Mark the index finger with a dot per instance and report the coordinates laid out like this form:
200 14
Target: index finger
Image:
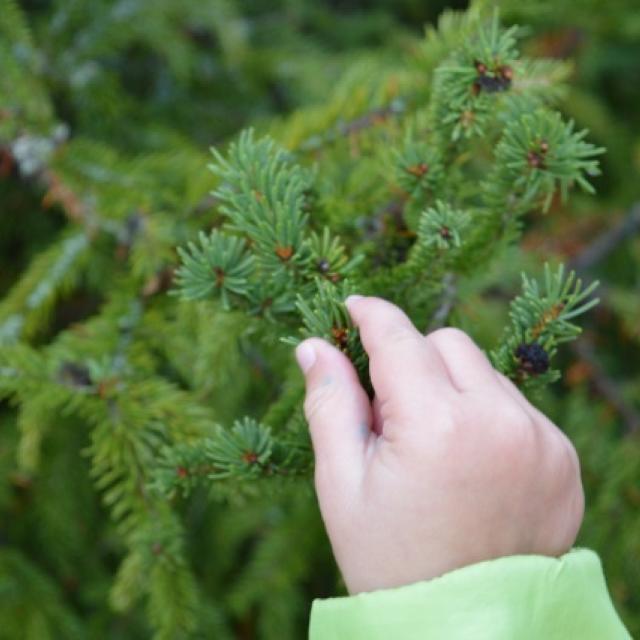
403 365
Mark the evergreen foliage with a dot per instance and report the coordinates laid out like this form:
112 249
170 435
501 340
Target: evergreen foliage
412 175
261 195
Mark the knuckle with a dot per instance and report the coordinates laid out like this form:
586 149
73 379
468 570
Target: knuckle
447 430
399 335
448 335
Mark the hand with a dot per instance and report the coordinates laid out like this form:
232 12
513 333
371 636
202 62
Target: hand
449 466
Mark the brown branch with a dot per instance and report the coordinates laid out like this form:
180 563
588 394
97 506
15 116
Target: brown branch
374 117
345 129
604 244
606 386
583 348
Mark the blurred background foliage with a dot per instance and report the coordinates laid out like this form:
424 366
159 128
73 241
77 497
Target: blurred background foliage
140 85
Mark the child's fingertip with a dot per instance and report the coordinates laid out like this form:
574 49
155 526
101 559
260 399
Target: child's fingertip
305 355
352 299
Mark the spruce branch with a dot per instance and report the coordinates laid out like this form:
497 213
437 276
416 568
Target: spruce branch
328 256
28 305
326 316
538 155
469 84
220 265
439 247
418 167
441 228
265 198
245 449
157 563
263 194
155 386
246 452
542 317
467 166
37 599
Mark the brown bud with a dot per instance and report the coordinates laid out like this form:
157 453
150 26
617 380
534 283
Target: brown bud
250 457
418 170
481 67
284 253
340 336
535 160
506 72
220 275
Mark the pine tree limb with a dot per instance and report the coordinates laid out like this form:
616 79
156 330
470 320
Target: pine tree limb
606 386
361 123
604 244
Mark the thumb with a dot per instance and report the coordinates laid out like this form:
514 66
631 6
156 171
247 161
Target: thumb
337 410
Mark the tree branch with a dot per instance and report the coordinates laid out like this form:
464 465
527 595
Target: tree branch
345 129
604 244
606 386
583 348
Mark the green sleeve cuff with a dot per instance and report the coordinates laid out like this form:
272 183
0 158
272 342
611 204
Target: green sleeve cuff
518 597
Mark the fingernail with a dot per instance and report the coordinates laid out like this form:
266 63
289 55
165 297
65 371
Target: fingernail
306 356
352 298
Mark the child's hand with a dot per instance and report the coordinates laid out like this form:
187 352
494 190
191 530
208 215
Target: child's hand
450 466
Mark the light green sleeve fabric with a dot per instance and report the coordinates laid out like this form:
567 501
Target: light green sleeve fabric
514 598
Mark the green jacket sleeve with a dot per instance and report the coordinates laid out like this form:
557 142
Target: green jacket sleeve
514 598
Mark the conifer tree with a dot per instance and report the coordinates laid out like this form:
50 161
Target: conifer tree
484 150
157 461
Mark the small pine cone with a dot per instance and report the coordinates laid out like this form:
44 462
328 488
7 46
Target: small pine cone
535 160
533 358
491 84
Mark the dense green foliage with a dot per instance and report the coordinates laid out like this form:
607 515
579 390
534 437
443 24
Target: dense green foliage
155 461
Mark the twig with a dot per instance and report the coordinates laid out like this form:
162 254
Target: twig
345 129
603 245
606 386
588 258
372 118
